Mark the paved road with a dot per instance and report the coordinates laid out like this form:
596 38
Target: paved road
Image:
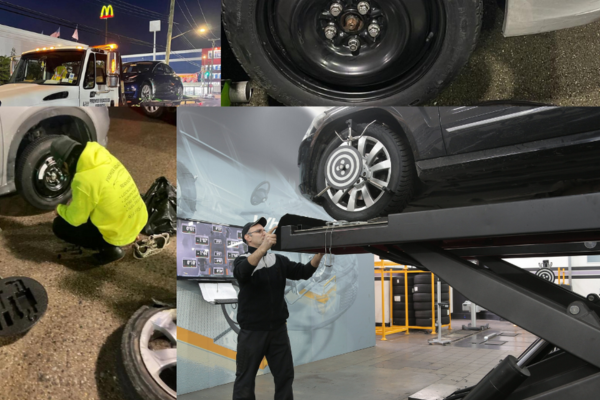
559 67
71 353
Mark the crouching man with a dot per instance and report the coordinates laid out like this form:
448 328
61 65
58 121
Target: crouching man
106 210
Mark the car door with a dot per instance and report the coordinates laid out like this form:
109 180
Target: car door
173 80
161 81
471 129
95 91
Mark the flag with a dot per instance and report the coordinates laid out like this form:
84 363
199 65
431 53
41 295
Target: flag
56 34
76 34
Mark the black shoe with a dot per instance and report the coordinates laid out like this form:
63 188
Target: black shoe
109 255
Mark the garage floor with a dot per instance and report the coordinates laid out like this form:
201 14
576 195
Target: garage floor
71 353
393 369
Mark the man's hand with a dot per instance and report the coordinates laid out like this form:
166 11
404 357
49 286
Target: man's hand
316 260
269 241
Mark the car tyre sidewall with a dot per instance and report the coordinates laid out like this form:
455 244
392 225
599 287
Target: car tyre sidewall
25 170
402 177
135 381
462 32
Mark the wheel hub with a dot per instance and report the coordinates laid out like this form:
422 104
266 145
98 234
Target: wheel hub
344 167
352 25
54 178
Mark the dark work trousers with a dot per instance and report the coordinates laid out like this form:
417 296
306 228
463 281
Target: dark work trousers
85 235
252 347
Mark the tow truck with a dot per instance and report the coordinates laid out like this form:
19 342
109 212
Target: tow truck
467 247
78 76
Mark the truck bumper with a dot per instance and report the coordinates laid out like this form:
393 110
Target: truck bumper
527 17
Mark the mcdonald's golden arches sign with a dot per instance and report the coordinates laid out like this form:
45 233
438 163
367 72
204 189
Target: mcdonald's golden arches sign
107 12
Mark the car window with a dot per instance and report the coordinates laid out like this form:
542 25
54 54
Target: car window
159 70
90 70
168 69
136 68
49 68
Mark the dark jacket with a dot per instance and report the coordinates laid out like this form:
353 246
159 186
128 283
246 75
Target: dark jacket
261 305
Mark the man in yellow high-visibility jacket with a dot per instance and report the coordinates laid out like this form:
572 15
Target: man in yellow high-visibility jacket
106 210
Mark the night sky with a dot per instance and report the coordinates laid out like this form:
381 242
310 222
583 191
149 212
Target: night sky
127 21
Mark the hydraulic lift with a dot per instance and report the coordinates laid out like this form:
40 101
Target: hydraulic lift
465 247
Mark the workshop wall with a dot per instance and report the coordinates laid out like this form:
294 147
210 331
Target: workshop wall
231 171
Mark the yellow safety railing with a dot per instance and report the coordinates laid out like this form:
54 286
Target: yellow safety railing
383 330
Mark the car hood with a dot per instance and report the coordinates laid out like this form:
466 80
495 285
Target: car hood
31 94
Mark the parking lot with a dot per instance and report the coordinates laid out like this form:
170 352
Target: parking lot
72 352
558 68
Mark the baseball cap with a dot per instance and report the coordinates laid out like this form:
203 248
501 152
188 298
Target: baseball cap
62 147
261 221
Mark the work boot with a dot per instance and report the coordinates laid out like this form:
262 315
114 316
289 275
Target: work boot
108 255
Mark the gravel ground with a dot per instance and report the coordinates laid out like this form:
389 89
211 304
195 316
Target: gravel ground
559 67
71 353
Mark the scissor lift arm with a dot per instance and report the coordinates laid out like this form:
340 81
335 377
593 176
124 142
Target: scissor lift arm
465 247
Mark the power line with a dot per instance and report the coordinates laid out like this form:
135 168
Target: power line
205 21
69 24
186 6
186 18
126 4
133 12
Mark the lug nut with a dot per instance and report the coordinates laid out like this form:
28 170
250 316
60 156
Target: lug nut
354 44
335 9
374 30
330 31
363 8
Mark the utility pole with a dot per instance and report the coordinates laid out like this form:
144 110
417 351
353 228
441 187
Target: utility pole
170 31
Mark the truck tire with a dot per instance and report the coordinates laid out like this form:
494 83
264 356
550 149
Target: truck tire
420 48
41 182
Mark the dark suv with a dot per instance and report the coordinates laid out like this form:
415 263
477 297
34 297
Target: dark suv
361 163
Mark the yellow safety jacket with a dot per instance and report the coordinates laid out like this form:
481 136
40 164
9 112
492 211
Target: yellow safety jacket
104 192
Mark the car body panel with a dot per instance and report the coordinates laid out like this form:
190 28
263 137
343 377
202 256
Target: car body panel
502 149
16 121
526 17
31 94
164 85
468 129
421 125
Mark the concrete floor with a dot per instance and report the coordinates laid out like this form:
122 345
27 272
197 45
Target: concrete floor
559 68
392 370
71 353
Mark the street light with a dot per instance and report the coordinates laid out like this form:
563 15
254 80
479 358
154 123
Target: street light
200 30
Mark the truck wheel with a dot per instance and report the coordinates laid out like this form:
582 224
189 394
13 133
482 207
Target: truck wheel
397 52
147 368
40 181
373 177
153 111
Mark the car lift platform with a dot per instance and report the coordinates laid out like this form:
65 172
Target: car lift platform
465 247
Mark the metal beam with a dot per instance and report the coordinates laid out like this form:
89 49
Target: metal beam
537 306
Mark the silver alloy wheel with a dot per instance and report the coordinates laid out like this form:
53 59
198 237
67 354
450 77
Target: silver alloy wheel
146 93
376 168
158 360
151 109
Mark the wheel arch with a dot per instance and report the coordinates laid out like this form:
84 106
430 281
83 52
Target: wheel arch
79 124
387 116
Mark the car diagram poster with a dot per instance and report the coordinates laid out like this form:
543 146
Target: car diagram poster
206 250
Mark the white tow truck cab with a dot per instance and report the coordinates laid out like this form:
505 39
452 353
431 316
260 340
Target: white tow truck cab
65 76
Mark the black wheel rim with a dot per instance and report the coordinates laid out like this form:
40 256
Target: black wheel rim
409 41
50 180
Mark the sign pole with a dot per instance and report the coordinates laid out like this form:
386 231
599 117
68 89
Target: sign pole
106 32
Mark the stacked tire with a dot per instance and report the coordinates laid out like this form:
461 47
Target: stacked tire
400 299
422 293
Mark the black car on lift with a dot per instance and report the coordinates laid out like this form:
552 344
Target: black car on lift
362 163
149 80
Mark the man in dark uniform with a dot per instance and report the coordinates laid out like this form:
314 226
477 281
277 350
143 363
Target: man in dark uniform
262 312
